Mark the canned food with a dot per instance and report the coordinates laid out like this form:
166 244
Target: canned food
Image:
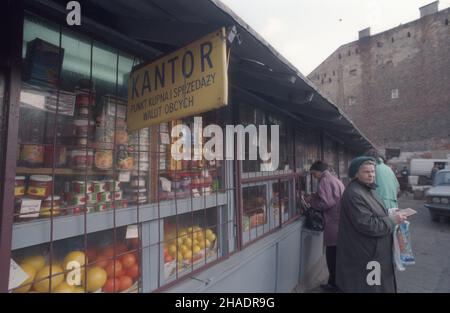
19 187
32 155
112 185
103 159
84 127
50 206
137 182
80 187
82 159
104 197
78 199
100 186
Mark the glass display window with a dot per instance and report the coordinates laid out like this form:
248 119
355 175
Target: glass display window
191 240
94 263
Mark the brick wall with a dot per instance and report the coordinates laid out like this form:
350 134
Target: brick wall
363 78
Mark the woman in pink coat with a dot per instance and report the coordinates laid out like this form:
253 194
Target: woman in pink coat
328 199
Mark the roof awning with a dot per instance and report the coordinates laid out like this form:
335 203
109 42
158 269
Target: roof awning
255 66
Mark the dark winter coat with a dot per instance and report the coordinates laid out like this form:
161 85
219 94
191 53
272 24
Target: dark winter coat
365 235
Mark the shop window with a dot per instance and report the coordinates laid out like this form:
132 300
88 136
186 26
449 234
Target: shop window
282 201
81 172
394 94
191 240
91 263
352 72
255 219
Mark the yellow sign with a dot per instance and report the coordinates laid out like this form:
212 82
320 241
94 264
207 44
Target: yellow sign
189 81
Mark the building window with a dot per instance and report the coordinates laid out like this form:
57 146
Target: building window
334 73
446 21
356 51
379 44
351 101
353 72
394 94
329 80
322 81
339 56
409 35
349 53
392 39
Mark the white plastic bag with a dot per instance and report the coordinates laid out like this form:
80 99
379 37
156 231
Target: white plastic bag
403 255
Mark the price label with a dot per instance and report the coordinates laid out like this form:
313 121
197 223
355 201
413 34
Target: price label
17 275
165 139
166 184
30 208
124 177
132 232
195 193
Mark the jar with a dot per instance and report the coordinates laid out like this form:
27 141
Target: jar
137 182
82 159
40 186
80 187
139 195
19 187
186 183
32 155
60 153
84 127
140 156
103 159
85 97
141 166
121 137
84 112
46 206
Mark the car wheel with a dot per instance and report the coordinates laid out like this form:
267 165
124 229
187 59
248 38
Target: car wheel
434 217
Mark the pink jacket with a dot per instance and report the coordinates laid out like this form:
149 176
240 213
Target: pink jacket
328 199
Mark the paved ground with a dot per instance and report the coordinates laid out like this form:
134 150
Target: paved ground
431 247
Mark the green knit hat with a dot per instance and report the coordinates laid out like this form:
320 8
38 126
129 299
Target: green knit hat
356 163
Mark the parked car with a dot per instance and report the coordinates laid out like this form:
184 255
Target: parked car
438 196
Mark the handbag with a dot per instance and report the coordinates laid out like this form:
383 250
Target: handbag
314 218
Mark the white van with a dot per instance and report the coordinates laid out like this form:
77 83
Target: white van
422 167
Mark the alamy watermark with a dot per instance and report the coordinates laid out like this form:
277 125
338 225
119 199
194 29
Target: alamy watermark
188 145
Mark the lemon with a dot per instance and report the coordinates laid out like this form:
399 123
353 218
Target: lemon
74 256
42 281
64 288
37 261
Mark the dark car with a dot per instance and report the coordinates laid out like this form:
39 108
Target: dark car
438 196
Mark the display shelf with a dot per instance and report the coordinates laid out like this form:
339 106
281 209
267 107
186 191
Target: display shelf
38 231
62 171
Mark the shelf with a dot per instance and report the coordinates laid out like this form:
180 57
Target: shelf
62 171
38 231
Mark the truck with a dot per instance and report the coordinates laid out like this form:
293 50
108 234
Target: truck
422 167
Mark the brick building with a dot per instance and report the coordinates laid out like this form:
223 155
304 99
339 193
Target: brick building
395 85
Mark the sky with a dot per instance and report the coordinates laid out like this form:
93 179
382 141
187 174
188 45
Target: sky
306 32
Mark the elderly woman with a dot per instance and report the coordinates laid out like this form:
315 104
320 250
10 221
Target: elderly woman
365 234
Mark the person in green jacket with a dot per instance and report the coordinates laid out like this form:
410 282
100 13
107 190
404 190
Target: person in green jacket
386 181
